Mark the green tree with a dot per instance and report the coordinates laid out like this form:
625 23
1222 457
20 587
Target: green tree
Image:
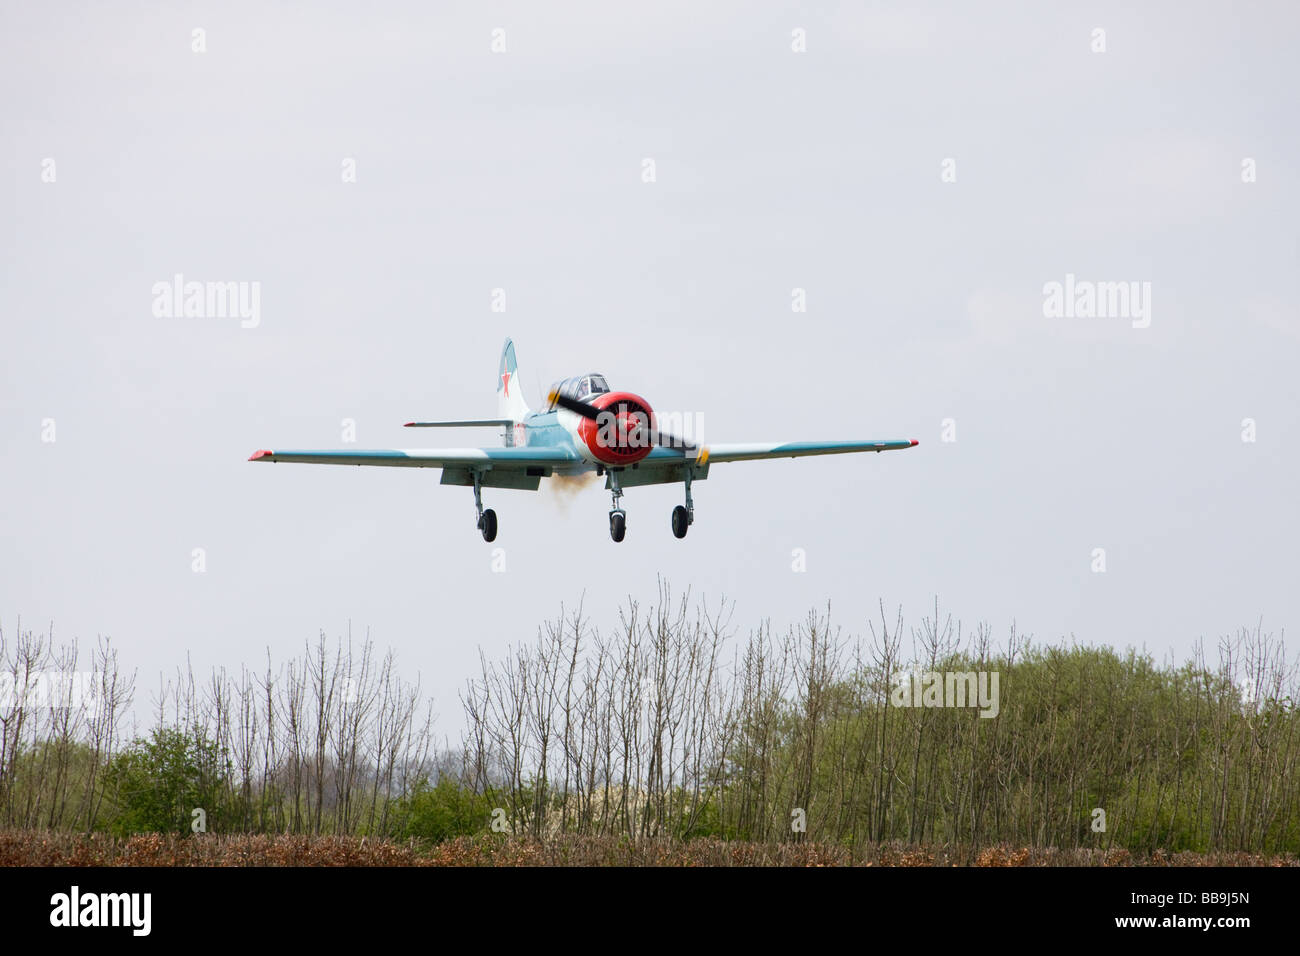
159 781
443 811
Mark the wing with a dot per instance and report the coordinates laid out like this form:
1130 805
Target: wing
429 457
498 467
664 465
754 451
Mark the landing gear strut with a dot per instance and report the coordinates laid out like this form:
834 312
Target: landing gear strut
684 516
617 516
487 520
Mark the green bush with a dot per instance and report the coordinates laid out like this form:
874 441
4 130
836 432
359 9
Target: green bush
158 782
444 811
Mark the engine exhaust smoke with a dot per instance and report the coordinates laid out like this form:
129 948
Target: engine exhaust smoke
565 488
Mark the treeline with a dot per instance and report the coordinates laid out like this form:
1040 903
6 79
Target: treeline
671 725
334 741
663 727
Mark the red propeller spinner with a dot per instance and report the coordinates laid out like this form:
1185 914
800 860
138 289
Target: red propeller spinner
622 433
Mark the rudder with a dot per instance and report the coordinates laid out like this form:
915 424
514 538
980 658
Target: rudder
510 392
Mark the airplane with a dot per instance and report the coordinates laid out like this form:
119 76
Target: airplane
584 427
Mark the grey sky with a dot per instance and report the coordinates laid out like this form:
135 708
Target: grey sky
775 170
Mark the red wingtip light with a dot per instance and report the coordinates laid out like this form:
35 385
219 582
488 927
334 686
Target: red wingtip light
915 442
260 454
409 425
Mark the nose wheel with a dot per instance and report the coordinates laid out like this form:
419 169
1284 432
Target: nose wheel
617 517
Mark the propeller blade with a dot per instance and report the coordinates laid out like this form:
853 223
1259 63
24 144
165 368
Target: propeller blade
673 442
575 406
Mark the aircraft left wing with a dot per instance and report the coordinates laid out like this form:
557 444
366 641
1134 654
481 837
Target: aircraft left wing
755 451
665 465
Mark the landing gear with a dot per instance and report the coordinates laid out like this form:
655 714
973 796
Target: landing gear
684 515
617 516
487 520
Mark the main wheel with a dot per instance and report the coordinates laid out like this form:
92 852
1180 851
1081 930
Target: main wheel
617 525
489 525
681 521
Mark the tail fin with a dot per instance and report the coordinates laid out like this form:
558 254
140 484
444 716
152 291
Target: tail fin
510 390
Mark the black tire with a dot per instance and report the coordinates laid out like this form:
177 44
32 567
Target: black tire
489 525
617 525
681 521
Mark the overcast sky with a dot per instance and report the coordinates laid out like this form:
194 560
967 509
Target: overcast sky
922 172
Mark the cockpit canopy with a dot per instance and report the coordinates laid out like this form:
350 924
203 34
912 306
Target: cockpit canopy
581 387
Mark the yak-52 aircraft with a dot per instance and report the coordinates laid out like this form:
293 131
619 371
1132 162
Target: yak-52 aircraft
585 427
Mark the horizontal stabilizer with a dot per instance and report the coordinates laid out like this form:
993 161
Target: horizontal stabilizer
475 423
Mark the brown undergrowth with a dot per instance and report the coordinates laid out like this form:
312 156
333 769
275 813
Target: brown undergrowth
53 848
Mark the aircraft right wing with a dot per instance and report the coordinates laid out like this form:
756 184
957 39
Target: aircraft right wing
486 458
521 468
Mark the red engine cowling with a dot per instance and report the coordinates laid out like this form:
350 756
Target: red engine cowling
621 434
